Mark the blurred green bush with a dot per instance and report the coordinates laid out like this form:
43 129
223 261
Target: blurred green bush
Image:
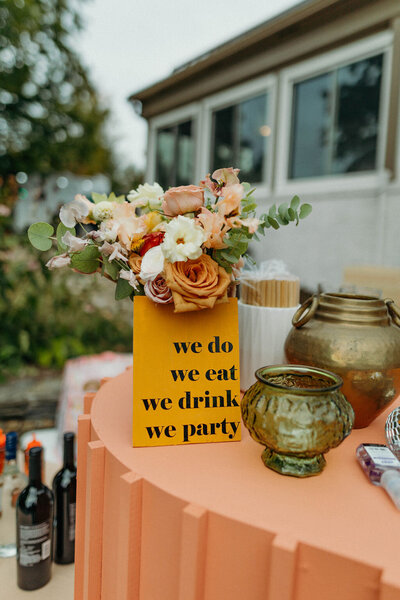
47 316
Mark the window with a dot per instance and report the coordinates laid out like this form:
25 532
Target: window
335 121
238 139
175 155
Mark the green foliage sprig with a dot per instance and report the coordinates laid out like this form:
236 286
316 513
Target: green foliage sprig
285 214
238 239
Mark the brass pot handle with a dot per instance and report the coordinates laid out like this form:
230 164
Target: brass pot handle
299 318
393 311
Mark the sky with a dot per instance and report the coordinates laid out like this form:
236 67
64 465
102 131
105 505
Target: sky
129 44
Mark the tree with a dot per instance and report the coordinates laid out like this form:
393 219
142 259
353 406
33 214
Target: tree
50 116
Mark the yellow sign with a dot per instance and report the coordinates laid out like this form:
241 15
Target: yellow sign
186 385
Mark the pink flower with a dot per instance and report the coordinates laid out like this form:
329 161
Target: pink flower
130 278
61 260
183 199
76 211
220 179
230 203
74 244
158 291
215 228
227 176
251 223
113 251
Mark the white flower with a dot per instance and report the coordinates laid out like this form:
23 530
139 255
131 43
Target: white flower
108 231
76 211
62 260
103 211
130 277
183 239
73 243
152 264
147 194
113 251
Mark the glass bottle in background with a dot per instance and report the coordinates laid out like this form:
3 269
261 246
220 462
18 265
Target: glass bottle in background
2 460
34 443
64 488
13 482
34 528
2 450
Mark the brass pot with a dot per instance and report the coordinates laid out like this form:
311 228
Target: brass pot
298 413
357 337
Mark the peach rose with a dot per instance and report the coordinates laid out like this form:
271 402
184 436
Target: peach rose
135 263
183 199
196 284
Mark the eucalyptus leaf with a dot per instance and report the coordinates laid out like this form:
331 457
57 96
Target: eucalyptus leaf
264 222
62 230
113 198
231 258
87 260
291 214
249 207
282 220
273 222
305 210
241 247
295 203
272 211
111 268
283 212
123 289
249 259
39 236
99 197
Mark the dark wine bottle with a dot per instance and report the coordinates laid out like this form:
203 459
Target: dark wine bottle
34 528
64 488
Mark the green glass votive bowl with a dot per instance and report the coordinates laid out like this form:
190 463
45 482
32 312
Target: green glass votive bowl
298 413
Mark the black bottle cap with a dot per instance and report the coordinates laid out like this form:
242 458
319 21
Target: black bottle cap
35 463
69 438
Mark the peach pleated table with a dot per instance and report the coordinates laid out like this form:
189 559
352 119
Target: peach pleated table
210 522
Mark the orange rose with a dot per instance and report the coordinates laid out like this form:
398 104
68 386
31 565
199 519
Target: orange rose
135 263
196 284
183 199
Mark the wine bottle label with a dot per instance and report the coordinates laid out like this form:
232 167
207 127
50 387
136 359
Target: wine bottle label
34 543
72 515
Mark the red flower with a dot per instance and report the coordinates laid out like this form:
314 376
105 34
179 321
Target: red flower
151 240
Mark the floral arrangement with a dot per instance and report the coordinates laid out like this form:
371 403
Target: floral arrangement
184 246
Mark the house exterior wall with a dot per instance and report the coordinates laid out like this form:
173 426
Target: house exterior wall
355 216
350 228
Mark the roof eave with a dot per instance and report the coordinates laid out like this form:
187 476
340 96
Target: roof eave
271 27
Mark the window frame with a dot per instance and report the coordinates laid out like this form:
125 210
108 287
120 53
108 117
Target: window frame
380 43
170 119
235 95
